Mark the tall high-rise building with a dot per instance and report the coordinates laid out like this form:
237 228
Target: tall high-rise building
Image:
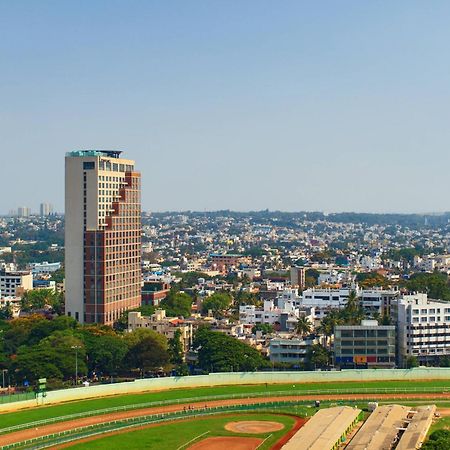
23 211
46 209
102 236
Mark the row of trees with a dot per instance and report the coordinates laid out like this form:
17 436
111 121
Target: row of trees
36 347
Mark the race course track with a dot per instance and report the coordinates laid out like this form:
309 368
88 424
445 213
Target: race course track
31 433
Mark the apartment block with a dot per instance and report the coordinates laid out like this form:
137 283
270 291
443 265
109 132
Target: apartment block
14 284
423 328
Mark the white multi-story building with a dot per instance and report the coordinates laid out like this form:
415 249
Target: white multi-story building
423 328
282 312
291 351
373 301
14 284
45 267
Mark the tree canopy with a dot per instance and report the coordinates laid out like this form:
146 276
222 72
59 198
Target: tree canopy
218 352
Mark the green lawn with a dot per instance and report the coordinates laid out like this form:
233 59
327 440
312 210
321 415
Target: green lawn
45 412
174 435
442 422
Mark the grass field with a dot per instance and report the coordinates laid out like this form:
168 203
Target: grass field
45 412
175 435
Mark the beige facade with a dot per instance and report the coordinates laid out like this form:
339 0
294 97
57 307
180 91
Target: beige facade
163 325
102 236
14 284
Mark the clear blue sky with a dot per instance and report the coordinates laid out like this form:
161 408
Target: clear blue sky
290 105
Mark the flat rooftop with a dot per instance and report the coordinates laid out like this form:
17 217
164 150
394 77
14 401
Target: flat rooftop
381 429
91 152
324 429
417 430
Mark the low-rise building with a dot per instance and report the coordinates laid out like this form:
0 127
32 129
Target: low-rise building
368 345
154 291
44 284
166 326
45 268
14 284
292 351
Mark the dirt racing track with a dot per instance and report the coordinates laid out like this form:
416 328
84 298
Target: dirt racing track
31 433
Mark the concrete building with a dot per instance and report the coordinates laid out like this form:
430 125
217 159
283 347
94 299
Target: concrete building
291 351
224 262
423 328
45 268
373 301
23 211
44 284
154 291
14 284
282 312
45 209
102 236
164 325
297 277
368 345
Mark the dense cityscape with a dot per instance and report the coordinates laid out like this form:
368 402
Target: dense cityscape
224 225
285 291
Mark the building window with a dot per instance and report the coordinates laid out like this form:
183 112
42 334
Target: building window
88 165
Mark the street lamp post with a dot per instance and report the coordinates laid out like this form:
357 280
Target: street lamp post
76 347
3 376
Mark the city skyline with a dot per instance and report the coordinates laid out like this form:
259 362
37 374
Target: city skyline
230 106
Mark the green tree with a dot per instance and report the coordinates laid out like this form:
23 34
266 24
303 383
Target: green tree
329 322
177 304
352 313
412 361
303 326
371 279
438 440
218 352
39 299
53 357
217 303
176 348
318 356
435 284
265 328
105 349
5 312
147 350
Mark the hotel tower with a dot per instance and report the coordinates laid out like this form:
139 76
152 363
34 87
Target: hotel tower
102 236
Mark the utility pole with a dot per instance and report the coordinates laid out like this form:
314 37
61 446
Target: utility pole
76 347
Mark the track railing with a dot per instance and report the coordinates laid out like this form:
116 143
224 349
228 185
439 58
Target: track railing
131 422
260 394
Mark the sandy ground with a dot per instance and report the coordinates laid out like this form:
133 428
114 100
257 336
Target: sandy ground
69 425
253 426
227 443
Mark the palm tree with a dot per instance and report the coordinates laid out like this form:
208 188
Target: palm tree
353 312
329 322
303 326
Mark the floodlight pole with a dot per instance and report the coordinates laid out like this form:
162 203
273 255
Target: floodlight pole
76 347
